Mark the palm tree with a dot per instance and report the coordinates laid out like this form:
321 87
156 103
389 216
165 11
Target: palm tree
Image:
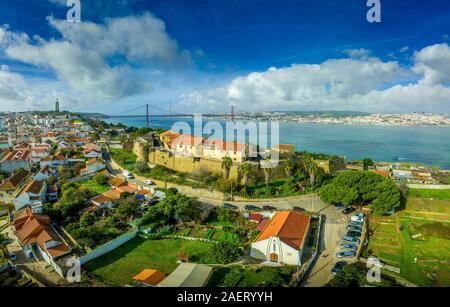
227 164
311 167
289 166
245 169
267 172
367 163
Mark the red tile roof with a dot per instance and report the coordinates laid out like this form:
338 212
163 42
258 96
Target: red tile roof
17 155
35 228
290 227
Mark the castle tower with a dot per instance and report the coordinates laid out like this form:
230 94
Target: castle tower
57 105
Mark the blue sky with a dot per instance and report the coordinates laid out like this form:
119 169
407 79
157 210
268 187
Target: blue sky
255 54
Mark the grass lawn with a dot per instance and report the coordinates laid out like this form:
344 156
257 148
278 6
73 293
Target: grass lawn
94 186
120 265
125 158
424 259
436 194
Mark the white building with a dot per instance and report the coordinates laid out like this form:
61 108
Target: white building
33 195
93 166
16 160
283 239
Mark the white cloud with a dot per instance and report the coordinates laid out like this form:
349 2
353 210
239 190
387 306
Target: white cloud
95 59
404 49
433 62
358 53
357 83
20 95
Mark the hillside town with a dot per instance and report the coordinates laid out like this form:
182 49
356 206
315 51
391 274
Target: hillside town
340 118
75 188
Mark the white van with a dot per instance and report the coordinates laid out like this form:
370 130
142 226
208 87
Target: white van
127 174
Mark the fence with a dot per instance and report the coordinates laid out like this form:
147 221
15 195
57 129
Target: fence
108 247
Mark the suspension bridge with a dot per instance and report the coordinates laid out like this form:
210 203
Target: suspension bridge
149 110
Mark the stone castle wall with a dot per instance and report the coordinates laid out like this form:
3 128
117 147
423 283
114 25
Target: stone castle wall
186 164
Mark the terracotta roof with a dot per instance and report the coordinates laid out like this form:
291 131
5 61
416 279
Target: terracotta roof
93 160
34 187
255 217
101 199
18 177
17 155
35 228
187 140
291 227
225 146
262 225
113 194
285 147
150 277
382 173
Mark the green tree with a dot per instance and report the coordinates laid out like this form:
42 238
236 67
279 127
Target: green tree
367 163
87 219
227 164
311 167
101 179
289 166
363 188
267 173
141 167
225 252
245 169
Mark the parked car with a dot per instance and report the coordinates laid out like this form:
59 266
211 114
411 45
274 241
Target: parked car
252 208
354 234
298 209
127 174
338 267
355 224
351 240
345 254
269 208
12 257
348 210
149 182
354 228
229 206
358 218
339 206
351 247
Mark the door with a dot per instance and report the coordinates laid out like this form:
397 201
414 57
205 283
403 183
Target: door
274 257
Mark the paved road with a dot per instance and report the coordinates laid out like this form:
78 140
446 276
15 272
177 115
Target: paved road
332 232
